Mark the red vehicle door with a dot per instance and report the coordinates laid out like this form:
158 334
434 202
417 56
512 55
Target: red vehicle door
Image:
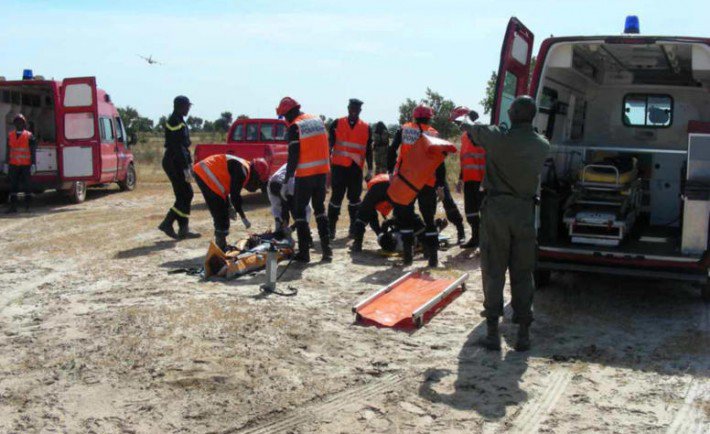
79 154
514 69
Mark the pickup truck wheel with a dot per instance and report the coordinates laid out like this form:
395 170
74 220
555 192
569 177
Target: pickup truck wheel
129 184
542 278
77 192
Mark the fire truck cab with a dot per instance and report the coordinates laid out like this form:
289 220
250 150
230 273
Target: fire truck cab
626 188
81 139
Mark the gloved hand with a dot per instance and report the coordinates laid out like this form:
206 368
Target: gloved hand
368 176
284 191
247 223
188 174
440 193
232 213
6 168
459 186
33 169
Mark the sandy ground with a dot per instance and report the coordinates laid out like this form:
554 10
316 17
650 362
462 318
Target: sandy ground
97 337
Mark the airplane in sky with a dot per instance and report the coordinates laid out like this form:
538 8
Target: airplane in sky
150 60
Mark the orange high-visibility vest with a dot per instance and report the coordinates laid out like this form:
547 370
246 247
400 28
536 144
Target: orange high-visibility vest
423 159
20 154
473 160
314 158
350 143
410 134
214 172
384 207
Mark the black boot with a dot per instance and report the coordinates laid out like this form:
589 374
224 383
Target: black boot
492 339
460 233
167 225
432 246
474 242
358 233
220 239
302 232
333 215
28 201
408 246
12 206
352 211
324 235
184 232
523 342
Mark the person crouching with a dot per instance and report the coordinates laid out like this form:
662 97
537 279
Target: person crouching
221 178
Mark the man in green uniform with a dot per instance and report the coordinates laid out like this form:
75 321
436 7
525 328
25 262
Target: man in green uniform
381 140
514 162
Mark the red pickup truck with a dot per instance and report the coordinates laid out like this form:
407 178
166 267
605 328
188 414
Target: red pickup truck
250 139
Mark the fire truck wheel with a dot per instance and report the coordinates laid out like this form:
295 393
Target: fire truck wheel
542 278
77 192
129 184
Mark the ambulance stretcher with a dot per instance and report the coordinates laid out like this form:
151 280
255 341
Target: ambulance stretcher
410 301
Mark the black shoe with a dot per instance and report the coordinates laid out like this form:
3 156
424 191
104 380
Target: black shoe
327 253
523 342
492 339
331 230
302 256
167 228
472 243
460 236
357 245
184 233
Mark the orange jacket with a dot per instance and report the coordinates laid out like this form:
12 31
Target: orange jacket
410 134
383 207
350 143
473 160
19 152
214 172
313 158
418 168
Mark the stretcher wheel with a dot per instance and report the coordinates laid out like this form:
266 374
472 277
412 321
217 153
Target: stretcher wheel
542 278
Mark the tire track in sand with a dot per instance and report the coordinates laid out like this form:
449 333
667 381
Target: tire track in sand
691 417
534 412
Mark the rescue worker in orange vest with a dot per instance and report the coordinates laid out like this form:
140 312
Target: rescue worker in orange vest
177 163
309 162
404 139
473 168
20 165
221 178
375 201
350 146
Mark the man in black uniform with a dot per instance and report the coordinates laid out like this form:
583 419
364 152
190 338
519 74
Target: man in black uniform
347 138
177 164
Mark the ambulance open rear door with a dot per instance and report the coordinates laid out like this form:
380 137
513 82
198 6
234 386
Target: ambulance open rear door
79 156
513 71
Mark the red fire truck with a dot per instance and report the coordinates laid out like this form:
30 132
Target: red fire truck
626 190
80 136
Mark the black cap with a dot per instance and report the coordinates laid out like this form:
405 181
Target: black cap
355 102
181 100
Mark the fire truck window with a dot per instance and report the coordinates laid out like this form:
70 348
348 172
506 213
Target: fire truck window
509 86
79 126
77 95
266 132
106 128
650 111
252 132
280 133
238 134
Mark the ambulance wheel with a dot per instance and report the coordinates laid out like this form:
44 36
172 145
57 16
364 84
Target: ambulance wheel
77 192
129 184
542 278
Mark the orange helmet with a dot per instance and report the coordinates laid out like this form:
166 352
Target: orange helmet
422 111
286 105
458 112
261 167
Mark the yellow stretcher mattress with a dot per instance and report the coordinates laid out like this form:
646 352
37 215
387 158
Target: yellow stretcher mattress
601 175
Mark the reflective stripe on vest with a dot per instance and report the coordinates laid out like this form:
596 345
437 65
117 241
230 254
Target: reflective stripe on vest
222 191
19 152
473 160
214 171
314 152
350 142
176 127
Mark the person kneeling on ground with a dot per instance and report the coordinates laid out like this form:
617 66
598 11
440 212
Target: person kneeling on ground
221 178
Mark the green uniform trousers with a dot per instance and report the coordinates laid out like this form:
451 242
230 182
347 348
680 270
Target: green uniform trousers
508 242
380 159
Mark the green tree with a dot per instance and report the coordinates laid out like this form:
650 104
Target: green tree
195 123
208 127
160 126
489 99
133 121
224 122
242 117
442 109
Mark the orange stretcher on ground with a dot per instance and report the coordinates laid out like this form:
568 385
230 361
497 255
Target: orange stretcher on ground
410 301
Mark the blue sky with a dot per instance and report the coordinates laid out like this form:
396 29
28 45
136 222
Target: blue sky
243 56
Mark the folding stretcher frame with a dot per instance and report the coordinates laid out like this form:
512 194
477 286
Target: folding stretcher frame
422 312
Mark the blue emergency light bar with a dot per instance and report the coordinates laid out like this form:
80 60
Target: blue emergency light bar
632 25
27 74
